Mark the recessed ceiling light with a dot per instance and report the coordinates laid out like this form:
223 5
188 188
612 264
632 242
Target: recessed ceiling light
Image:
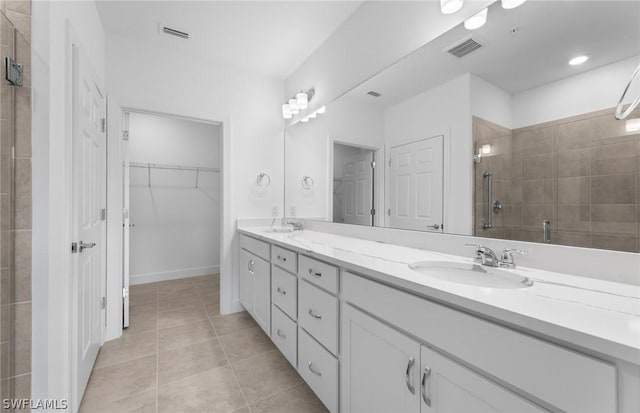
578 60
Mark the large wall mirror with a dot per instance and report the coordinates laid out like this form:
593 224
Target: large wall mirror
488 132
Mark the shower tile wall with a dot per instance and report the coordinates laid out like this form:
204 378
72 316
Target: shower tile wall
15 205
581 173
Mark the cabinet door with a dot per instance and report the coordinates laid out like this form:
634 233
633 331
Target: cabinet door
379 367
446 386
262 294
247 263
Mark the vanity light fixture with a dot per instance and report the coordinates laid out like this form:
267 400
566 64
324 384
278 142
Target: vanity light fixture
305 119
477 20
450 6
511 4
578 60
293 106
286 112
303 100
632 125
321 110
297 103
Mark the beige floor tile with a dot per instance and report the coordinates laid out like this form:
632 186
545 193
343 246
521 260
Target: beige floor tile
143 293
141 322
233 322
189 360
175 286
246 343
174 337
121 380
170 317
144 402
265 375
213 309
242 410
213 391
295 400
127 347
178 299
209 297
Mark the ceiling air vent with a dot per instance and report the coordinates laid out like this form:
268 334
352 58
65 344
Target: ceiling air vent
174 32
374 94
464 48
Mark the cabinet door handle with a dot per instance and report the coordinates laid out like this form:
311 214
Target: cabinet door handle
315 274
281 334
314 371
426 374
281 258
314 314
281 291
410 386
250 266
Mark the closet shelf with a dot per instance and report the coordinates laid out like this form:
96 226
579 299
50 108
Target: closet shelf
173 167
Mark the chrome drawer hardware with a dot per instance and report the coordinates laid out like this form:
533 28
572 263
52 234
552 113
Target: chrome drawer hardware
316 274
281 334
281 291
84 245
410 386
312 370
426 374
281 258
250 267
314 314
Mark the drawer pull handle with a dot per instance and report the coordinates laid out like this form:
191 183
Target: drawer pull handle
281 334
314 314
316 274
425 376
281 291
281 258
410 386
250 267
312 370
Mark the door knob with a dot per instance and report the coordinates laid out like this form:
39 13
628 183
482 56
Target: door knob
434 226
86 245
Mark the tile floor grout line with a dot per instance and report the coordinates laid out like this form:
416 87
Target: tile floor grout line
281 391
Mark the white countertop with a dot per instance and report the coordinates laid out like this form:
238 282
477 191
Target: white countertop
591 314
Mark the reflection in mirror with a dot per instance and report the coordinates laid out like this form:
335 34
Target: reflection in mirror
489 132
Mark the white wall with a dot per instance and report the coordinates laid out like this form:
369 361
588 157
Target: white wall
52 182
309 151
443 110
166 81
376 35
176 229
490 102
590 91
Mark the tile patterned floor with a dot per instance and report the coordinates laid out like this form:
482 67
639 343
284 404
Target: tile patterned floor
181 355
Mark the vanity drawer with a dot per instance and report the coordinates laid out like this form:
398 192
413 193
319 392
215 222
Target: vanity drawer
319 273
257 247
284 291
318 314
284 334
285 259
319 369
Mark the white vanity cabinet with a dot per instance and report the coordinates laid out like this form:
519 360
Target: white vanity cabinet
255 281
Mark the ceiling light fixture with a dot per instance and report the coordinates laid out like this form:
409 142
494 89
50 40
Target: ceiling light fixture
477 20
632 125
299 103
303 100
450 6
511 4
578 60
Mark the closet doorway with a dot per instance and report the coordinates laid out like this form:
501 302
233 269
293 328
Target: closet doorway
172 199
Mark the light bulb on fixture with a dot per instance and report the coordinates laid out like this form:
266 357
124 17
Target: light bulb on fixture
477 20
286 112
293 106
578 60
632 125
486 149
450 6
303 100
511 4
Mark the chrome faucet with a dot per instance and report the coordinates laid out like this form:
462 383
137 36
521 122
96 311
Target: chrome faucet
485 255
506 260
297 225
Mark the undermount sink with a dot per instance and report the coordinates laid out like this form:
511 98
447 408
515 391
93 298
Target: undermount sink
471 274
280 230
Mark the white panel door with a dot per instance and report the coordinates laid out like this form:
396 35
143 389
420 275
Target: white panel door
89 189
446 386
358 189
416 185
126 222
380 366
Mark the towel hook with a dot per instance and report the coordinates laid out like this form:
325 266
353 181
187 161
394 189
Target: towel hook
619 114
263 180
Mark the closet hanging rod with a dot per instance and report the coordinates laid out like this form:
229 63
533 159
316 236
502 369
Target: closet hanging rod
173 167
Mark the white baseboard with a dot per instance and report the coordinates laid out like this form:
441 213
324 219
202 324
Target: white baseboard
135 279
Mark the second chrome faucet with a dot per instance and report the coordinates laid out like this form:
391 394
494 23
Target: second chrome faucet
486 256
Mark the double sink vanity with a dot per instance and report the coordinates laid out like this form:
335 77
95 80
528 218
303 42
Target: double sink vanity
372 326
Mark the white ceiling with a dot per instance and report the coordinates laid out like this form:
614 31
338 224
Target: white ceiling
549 34
267 37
